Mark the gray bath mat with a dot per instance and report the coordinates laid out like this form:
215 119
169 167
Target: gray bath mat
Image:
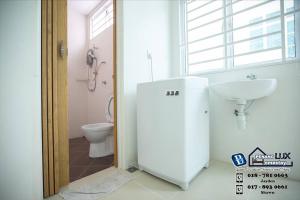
96 188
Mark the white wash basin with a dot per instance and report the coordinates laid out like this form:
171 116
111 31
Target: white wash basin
245 93
246 90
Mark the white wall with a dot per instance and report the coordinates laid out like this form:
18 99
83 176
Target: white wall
141 26
77 70
176 39
97 100
272 123
20 96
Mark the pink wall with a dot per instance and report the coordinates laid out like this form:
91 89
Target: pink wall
97 101
87 107
78 93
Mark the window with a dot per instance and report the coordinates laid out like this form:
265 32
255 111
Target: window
101 19
228 34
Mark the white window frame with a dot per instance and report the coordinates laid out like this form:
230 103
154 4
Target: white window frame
95 10
183 46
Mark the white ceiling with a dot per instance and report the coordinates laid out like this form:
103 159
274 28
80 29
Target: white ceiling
83 6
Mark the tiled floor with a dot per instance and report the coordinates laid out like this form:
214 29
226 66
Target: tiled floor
81 164
216 182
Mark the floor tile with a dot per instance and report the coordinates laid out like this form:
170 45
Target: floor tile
216 182
74 156
132 191
107 160
55 197
78 140
79 147
93 169
81 164
76 171
163 188
82 160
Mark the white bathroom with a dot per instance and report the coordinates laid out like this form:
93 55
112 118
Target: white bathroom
90 87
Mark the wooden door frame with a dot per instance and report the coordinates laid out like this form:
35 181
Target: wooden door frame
115 82
55 95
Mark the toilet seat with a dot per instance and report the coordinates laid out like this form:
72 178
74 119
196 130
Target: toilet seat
109 110
98 126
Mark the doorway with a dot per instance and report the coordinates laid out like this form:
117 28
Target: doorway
72 84
90 86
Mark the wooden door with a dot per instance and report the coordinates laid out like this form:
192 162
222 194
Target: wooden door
54 96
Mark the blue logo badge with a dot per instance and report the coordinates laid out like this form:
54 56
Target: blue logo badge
238 159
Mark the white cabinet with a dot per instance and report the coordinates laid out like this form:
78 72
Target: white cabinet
173 128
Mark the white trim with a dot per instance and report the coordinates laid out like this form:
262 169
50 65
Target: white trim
207 61
282 24
249 8
236 55
247 67
232 14
96 9
183 39
208 13
244 26
120 87
297 28
229 30
207 37
258 51
211 1
233 43
229 62
235 29
207 23
225 31
101 8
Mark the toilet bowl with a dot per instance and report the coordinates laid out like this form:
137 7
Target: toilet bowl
100 135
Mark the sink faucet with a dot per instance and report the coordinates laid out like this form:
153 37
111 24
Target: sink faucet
251 76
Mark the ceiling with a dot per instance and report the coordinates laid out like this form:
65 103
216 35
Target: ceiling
83 6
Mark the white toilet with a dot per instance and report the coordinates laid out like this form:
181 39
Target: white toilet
100 135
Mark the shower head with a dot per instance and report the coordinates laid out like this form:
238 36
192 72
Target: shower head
90 57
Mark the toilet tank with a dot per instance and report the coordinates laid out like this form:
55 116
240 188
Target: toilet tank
173 128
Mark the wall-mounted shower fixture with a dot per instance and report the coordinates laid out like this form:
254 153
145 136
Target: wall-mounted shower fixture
91 58
92 62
